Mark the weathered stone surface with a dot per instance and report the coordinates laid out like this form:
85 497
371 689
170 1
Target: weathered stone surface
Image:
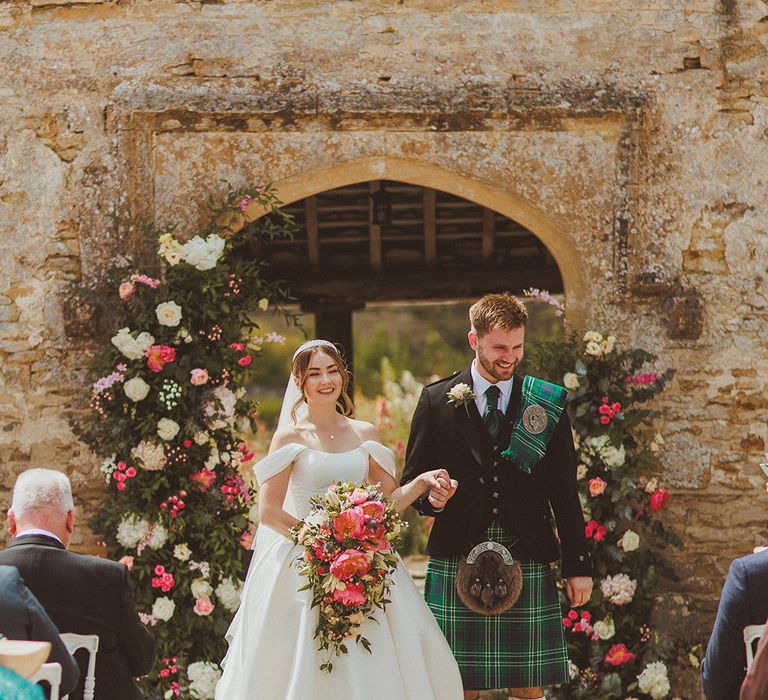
630 136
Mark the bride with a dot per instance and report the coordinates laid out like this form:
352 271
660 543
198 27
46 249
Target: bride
272 652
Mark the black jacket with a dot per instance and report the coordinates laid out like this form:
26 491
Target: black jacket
88 595
22 617
493 488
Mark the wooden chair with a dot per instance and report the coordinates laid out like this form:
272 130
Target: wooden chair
51 674
751 633
84 641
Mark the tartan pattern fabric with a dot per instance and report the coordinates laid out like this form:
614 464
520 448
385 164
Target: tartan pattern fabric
525 449
521 648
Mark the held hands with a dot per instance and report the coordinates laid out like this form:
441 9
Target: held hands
441 488
578 589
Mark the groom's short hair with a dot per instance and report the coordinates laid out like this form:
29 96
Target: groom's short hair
497 311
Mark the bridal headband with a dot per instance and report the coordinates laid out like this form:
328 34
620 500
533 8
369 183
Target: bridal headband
319 343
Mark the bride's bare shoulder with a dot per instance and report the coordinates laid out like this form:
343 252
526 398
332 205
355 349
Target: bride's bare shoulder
285 436
365 430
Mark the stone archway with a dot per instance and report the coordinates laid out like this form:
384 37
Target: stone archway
558 242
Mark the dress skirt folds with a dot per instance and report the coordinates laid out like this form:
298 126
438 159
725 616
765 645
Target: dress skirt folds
273 654
523 647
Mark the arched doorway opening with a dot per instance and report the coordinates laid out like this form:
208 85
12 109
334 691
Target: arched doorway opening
382 240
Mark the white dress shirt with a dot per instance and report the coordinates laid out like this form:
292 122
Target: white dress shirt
37 531
480 384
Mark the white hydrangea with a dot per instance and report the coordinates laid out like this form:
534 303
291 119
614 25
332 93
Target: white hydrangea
203 253
618 589
602 447
163 608
220 410
201 588
228 592
132 530
158 537
654 680
203 677
182 552
132 348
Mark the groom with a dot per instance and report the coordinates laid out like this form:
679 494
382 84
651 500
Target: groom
507 441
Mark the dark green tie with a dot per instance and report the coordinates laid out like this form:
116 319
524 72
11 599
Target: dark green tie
492 416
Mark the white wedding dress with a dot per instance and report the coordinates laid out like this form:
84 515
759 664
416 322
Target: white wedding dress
272 653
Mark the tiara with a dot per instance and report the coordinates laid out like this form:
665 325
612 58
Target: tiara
319 343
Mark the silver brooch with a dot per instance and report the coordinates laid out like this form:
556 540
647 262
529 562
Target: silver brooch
535 419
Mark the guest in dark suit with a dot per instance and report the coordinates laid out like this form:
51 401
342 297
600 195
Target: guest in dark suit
744 601
22 617
80 593
463 424
755 686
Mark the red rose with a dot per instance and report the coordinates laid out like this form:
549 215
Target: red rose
659 499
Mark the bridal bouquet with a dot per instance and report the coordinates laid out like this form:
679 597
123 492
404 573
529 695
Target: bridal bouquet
348 560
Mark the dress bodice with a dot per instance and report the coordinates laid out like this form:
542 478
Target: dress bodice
314 470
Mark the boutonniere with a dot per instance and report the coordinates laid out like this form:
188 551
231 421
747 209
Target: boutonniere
461 395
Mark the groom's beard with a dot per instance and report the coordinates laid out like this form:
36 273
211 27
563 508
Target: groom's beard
500 374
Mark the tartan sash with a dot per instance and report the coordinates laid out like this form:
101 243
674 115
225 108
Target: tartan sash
541 406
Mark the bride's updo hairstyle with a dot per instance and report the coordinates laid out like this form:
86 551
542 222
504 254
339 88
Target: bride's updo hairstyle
300 364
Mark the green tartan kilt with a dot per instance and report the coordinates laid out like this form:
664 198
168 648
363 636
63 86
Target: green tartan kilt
523 647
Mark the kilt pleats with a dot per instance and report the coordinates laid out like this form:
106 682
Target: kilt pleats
523 647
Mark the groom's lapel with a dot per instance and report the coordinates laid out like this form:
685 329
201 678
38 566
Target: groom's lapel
471 424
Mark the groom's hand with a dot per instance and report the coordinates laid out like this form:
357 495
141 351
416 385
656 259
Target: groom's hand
578 589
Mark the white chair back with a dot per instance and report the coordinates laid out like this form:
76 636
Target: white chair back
751 633
51 674
84 641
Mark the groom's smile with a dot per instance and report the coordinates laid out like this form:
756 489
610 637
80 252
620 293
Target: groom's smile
498 352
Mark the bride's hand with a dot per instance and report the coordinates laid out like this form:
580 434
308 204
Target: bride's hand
441 488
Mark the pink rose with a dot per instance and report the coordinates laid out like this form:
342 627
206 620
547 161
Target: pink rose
126 290
244 361
349 524
126 561
352 595
203 606
358 496
246 540
198 376
349 563
597 486
374 510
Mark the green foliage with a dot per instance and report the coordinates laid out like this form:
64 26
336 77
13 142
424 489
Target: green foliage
177 502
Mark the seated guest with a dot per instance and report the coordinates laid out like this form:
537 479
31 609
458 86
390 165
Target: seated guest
744 601
20 660
80 593
755 686
22 617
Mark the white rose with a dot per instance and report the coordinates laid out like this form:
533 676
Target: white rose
136 389
263 304
168 314
571 381
163 608
182 552
167 429
170 249
132 348
629 541
593 337
203 254
654 681
200 437
605 629
201 588
593 348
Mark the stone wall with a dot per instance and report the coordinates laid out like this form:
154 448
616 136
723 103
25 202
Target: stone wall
630 135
